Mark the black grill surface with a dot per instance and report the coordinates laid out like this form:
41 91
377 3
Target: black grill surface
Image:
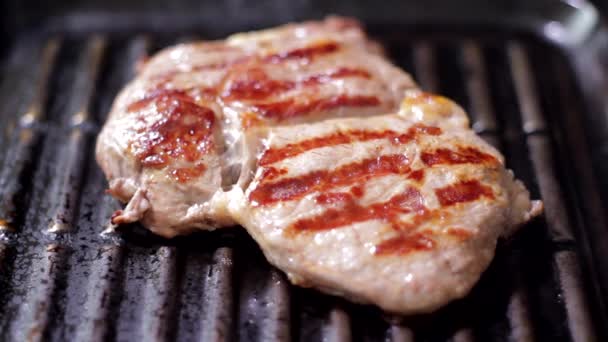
61 279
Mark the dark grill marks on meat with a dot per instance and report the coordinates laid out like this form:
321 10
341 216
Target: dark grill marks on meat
463 191
409 240
351 212
336 74
272 173
345 211
323 180
156 146
185 132
254 83
188 95
405 243
463 155
460 234
305 54
357 191
334 197
340 197
290 108
294 188
417 175
273 155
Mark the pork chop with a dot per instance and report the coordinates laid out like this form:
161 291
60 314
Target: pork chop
402 210
351 179
173 139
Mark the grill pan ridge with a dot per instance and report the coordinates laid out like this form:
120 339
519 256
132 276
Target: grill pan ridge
61 279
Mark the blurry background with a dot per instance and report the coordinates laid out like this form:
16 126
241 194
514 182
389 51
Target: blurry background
19 14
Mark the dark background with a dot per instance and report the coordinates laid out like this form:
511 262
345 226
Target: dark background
21 14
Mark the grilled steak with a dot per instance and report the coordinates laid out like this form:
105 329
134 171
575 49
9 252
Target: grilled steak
407 207
173 137
289 133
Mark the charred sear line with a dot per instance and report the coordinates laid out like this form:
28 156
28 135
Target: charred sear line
345 211
323 180
273 155
351 212
290 108
409 240
270 173
305 54
254 83
297 187
340 197
462 155
405 243
463 191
